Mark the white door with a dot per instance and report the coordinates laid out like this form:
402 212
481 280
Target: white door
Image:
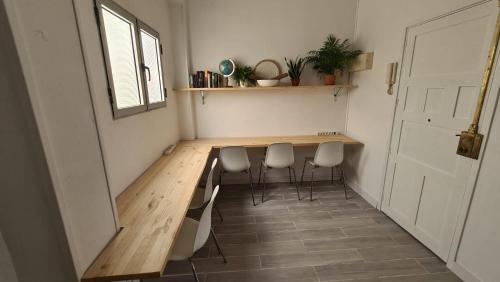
441 72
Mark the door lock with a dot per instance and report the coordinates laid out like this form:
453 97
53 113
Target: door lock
469 144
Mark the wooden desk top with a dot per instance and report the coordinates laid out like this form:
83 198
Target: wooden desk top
152 209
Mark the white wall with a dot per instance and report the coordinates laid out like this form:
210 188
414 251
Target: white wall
250 31
380 28
133 143
46 38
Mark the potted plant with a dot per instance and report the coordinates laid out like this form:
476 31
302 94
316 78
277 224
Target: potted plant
242 75
295 68
335 54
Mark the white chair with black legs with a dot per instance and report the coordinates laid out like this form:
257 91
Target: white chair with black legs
194 234
328 155
202 196
279 155
235 159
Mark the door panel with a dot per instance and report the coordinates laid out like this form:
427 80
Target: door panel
440 76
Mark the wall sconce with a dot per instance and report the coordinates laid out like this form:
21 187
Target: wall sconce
390 79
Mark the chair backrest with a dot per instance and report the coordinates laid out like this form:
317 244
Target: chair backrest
205 223
234 158
209 186
329 154
280 155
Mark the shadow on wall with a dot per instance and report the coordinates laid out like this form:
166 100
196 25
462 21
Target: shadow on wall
353 164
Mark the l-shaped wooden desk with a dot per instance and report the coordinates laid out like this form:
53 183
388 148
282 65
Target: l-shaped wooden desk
152 209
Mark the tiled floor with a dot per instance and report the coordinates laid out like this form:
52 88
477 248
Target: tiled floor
328 239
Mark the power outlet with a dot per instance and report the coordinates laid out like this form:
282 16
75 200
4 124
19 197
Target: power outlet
327 133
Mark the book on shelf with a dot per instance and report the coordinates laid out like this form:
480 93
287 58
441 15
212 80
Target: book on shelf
207 79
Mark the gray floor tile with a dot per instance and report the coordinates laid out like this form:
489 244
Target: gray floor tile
433 265
438 277
343 222
233 264
395 252
290 235
286 247
348 243
250 228
309 259
302 274
360 270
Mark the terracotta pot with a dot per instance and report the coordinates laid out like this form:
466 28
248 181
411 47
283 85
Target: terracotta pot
329 79
295 82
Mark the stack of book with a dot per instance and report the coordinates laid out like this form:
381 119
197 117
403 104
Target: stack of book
207 79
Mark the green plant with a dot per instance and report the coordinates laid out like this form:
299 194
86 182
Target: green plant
242 73
335 54
295 67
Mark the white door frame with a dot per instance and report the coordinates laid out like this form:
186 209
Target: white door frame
485 124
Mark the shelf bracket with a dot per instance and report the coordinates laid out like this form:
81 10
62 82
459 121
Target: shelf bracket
202 93
336 92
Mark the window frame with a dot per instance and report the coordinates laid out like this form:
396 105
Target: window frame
143 26
138 25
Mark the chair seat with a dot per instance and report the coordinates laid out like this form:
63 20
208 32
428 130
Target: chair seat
198 198
183 246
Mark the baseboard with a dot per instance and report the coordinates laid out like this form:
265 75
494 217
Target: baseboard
372 201
462 273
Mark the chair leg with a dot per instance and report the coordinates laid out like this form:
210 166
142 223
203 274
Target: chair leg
332 175
217 244
194 270
290 174
260 173
218 213
264 188
302 176
296 184
251 185
312 182
343 181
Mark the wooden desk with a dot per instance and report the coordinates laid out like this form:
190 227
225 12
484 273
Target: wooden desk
152 209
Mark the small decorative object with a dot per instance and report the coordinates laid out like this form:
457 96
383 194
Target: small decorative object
267 73
242 75
334 55
295 68
267 82
227 67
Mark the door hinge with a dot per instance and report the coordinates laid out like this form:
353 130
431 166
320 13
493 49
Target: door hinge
165 93
96 12
161 49
110 95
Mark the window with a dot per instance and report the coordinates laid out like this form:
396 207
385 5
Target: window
132 53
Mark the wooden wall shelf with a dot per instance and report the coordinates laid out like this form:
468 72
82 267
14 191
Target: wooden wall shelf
336 89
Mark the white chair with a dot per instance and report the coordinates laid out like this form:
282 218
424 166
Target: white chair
194 234
279 155
235 159
329 155
202 196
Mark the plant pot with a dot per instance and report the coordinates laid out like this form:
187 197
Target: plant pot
242 83
295 81
329 79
